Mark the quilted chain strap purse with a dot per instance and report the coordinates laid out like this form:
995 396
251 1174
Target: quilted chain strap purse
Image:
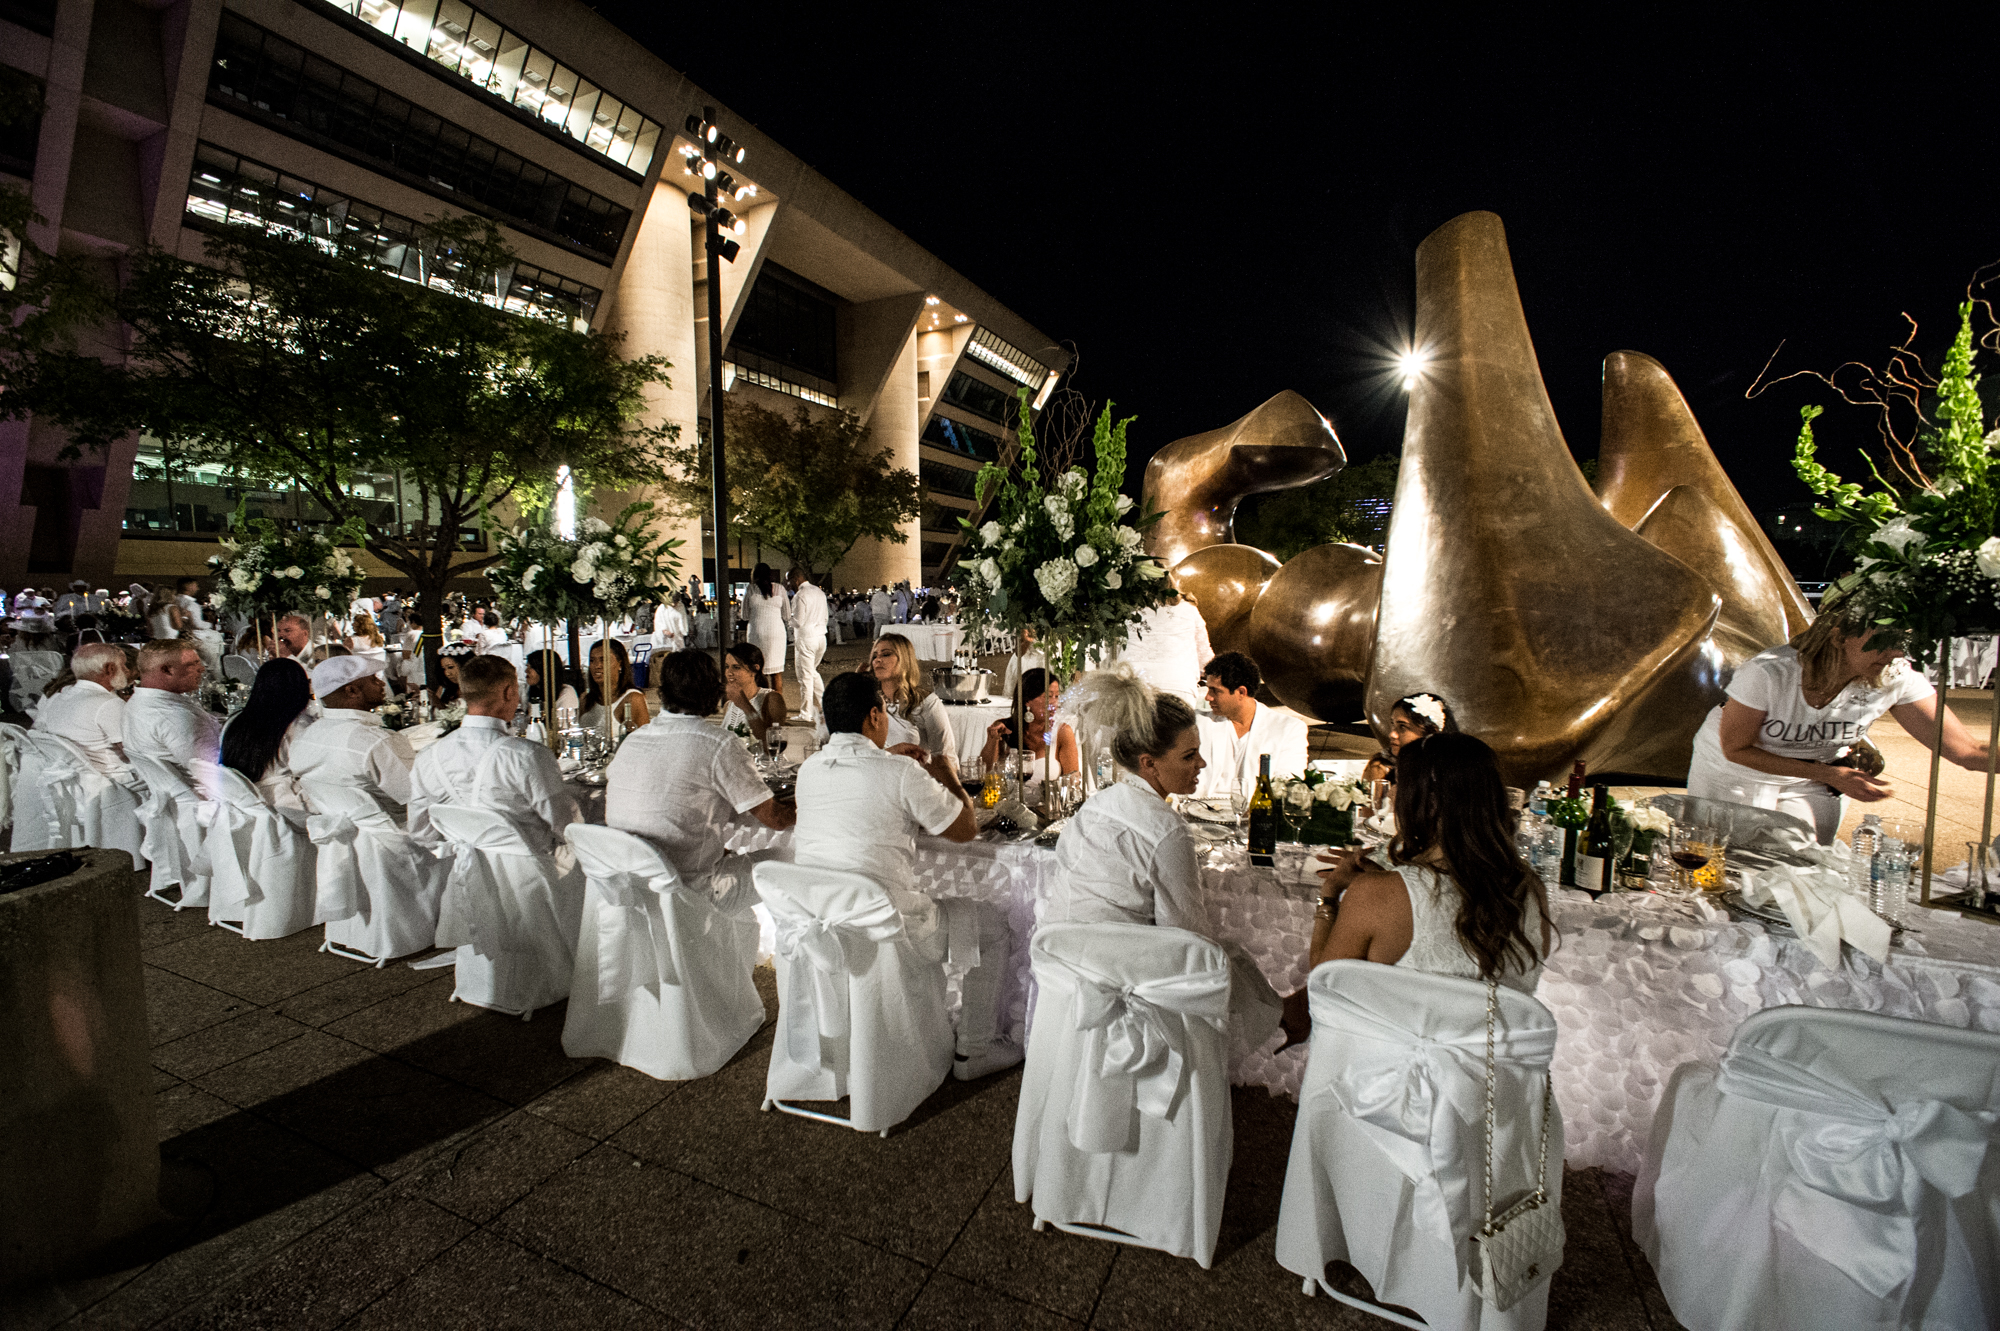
1517 1250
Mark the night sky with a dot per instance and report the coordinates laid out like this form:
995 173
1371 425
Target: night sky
1214 209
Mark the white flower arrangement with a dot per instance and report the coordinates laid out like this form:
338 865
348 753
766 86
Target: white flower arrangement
264 572
612 568
1302 792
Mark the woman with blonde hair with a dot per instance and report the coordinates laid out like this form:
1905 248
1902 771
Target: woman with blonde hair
366 637
916 715
1791 712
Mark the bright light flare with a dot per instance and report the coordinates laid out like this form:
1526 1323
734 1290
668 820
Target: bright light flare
1410 365
565 505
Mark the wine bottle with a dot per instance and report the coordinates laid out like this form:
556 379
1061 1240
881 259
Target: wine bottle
1594 855
1263 817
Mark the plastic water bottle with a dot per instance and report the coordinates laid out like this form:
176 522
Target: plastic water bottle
1538 803
1864 872
1893 865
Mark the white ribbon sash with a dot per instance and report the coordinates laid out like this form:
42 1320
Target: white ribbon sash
161 844
633 949
340 895
1134 1058
817 967
1859 1170
238 826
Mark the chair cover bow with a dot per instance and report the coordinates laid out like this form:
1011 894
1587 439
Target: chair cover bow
1859 1167
817 966
633 948
161 844
340 894
68 787
1135 1050
1422 1100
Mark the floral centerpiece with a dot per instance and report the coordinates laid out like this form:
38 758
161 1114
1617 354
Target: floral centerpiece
1927 555
1058 555
266 572
224 696
1318 808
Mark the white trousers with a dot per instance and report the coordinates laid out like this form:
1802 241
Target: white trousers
965 920
806 656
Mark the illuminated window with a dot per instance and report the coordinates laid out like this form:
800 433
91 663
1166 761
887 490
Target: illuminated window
981 399
962 439
1007 358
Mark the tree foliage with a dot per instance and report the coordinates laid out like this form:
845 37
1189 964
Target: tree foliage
298 360
1346 506
809 487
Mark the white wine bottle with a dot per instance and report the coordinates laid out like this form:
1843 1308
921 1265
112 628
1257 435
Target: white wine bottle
1263 817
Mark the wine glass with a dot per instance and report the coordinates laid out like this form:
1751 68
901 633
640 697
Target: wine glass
1688 848
1239 806
1622 834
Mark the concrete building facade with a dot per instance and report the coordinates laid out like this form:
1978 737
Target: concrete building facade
162 121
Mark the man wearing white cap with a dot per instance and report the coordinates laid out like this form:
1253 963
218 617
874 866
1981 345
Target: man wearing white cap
348 744
164 722
482 766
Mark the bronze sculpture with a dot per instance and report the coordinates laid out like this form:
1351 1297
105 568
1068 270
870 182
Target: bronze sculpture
1560 624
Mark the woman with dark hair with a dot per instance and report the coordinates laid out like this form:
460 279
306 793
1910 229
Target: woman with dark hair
566 683
257 741
449 655
1413 717
1458 899
1041 695
767 610
750 704
628 705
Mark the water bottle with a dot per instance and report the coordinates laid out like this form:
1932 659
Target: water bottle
1864 871
1894 862
1538 803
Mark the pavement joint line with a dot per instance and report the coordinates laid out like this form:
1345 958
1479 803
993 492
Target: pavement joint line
931 1271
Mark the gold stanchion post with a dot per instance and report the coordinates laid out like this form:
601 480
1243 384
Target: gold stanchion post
1937 758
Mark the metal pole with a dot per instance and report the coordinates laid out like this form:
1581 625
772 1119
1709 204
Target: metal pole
1937 755
1992 759
718 476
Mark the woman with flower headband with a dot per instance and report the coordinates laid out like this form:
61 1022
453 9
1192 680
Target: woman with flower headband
1415 717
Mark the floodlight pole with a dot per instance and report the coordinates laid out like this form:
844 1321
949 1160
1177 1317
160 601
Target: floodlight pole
718 476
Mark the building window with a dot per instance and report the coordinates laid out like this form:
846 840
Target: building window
980 398
268 78
790 320
172 499
934 552
962 439
1007 358
477 49
227 189
754 369
943 478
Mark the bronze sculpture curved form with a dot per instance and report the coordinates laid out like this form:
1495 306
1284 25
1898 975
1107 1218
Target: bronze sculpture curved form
1198 481
1225 582
1311 629
1506 587
1652 445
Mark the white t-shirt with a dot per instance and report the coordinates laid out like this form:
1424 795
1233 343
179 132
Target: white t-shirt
1127 857
680 782
1770 683
860 811
91 717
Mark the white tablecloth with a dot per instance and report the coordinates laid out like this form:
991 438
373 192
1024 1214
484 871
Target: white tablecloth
1972 660
968 727
934 642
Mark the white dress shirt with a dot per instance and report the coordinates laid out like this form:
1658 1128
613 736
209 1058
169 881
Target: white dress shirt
1127 858
681 782
174 729
670 626
480 765
1232 758
191 610
878 607
91 717
809 615
350 746
1168 648
861 809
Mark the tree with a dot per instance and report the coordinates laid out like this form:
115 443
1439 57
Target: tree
1352 505
809 488
296 359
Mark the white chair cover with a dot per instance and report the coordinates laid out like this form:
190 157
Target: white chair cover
174 821
377 889
662 975
264 867
1388 1155
65 801
501 910
1835 1170
32 673
239 668
1124 1116
862 1012
10 766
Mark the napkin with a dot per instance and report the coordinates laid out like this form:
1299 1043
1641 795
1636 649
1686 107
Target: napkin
1822 907
1018 814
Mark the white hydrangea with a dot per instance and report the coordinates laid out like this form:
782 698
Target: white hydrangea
295 572
989 572
1899 535
1113 580
990 533
1988 557
595 526
1056 578
323 593
1085 556
243 580
1074 483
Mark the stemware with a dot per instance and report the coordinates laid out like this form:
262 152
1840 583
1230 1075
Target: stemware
1239 806
1622 836
1687 847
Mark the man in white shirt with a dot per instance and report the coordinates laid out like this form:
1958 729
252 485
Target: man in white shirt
1240 728
89 713
481 765
1168 647
878 607
295 636
670 628
861 809
683 783
902 599
165 723
348 744
808 640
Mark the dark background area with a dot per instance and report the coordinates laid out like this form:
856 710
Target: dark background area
1212 205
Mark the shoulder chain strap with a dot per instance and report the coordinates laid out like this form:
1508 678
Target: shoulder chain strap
1548 1092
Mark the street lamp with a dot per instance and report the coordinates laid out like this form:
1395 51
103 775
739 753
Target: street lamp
713 152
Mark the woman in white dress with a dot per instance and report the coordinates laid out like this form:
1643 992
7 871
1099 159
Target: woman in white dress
628 705
751 705
164 619
767 609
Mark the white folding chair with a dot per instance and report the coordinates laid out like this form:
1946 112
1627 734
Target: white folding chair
264 868
502 911
862 1013
11 737
1123 1130
174 819
377 889
241 669
1835 1170
32 673
662 974
66 801
1388 1161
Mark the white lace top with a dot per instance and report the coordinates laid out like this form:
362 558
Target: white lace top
1435 946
